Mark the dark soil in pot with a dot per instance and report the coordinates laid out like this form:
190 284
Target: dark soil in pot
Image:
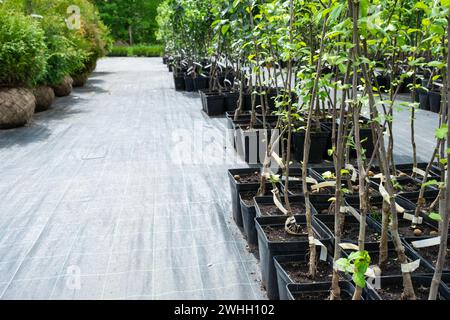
298 271
319 291
430 254
392 288
350 231
272 210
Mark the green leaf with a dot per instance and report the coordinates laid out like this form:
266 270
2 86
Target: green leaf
225 28
435 216
445 3
430 183
441 132
359 279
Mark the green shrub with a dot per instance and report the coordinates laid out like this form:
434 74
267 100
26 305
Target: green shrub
64 57
119 52
22 50
136 51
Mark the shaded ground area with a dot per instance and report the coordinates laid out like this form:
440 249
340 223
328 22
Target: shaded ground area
125 184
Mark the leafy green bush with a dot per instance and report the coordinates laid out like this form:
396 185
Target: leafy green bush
22 50
136 51
64 57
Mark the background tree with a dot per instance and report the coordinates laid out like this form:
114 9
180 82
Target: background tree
131 21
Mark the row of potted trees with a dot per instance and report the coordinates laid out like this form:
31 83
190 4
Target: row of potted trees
324 204
46 48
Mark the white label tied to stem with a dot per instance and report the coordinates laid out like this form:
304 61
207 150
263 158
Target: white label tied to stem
419 171
277 202
323 248
413 218
426 243
349 246
323 185
353 171
384 194
410 267
278 160
311 180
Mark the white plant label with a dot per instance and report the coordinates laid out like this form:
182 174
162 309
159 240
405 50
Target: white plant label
399 208
426 243
278 160
278 203
311 180
323 185
349 246
74 20
384 193
413 218
419 172
353 171
411 267
352 211
323 248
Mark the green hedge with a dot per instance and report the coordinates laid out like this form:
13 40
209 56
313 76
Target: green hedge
137 51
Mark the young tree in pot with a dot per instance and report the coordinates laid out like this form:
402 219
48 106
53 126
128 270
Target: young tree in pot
445 218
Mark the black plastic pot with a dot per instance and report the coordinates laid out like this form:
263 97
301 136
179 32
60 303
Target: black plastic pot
417 281
170 67
426 262
283 278
319 141
236 188
248 101
214 104
248 221
189 83
435 101
424 100
180 84
347 289
269 249
201 83
408 169
231 100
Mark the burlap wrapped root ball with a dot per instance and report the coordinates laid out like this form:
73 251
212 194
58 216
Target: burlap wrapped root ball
44 98
65 88
80 80
16 107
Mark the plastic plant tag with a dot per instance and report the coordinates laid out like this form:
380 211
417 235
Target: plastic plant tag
277 202
370 272
419 172
323 185
323 248
399 208
278 160
413 218
384 194
352 211
311 180
426 243
349 246
353 170
411 267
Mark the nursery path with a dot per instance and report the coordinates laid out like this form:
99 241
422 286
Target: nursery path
121 192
